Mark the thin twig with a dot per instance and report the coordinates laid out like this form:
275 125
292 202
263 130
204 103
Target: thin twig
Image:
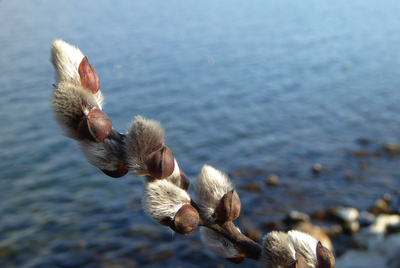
251 249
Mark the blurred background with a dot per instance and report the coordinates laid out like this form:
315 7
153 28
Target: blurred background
250 87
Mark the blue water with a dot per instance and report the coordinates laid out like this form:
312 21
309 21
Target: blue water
257 86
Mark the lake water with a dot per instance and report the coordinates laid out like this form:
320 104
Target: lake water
249 87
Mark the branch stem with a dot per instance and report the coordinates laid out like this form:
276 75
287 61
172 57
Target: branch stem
250 249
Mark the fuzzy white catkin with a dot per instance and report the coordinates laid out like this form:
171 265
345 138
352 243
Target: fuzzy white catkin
210 187
163 199
175 177
280 248
66 59
218 244
105 155
278 251
143 138
306 245
69 103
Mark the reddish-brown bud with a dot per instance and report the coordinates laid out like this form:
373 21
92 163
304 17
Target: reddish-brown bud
237 260
186 220
325 257
228 208
96 126
161 164
119 172
184 180
89 78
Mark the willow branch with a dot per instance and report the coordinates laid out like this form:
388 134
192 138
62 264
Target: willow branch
251 249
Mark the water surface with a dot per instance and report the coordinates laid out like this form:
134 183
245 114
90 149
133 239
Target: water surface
261 86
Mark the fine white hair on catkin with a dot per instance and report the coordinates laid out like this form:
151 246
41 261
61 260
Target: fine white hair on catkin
218 244
99 99
70 103
277 250
306 245
162 199
144 137
66 59
105 155
175 177
210 187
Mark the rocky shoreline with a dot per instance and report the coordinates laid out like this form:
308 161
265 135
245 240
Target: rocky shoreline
342 206
357 238
367 237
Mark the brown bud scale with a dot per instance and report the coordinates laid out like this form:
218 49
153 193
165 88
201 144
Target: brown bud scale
184 180
161 163
96 126
119 172
237 260
325 257
186 220
88 75
228 208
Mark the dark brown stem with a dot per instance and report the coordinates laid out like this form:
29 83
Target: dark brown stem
251 249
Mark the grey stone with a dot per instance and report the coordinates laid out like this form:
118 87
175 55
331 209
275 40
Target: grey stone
366 218
346 214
